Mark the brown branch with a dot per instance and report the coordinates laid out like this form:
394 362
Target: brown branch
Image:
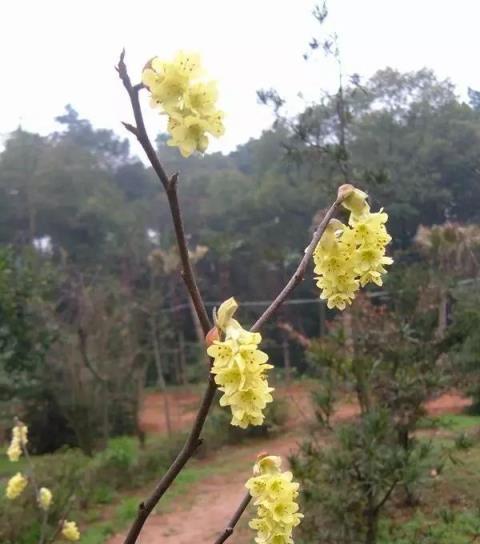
227 533
82 345
170 185
386 496
139 130
299 273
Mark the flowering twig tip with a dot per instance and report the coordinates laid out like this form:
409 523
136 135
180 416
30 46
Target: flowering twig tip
345 190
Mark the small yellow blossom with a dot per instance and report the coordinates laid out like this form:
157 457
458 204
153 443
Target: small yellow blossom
190 102
225 313
19 440
44 498
15 486
274 493
351 256
14 451
188 134
202 97
70 531
240 369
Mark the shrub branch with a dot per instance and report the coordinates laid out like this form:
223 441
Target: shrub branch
227 533
170 185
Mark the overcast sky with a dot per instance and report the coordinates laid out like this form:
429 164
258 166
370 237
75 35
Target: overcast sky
54 52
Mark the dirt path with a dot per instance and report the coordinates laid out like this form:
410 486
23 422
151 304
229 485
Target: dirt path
202 513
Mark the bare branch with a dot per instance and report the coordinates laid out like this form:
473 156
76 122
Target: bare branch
170 185
82 345
299 273
387 495
227 533
140 131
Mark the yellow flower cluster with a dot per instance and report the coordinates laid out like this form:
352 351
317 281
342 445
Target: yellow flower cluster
19 440
239 368
177 89
19 482
274 494
351 256
70 531
15 486
44 498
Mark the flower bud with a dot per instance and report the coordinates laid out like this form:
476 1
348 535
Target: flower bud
344 190
44 498
225 313
355 200
212 336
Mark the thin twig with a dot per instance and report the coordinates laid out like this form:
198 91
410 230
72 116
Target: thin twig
170 185
386 496
227 533
82 345
299 273
36 489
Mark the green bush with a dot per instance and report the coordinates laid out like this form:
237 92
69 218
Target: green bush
79 482
65 474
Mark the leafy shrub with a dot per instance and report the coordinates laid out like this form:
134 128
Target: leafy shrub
78 482
63 473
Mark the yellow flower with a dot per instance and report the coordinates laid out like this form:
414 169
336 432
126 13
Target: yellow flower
350 256
189 102
274 493
214 124
14 451
19 440
356 201
267 464
44 498
188 64
188 134
70 531
225 313
202 98
15 486
240 369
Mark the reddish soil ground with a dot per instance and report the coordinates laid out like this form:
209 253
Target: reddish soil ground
181 405
201 514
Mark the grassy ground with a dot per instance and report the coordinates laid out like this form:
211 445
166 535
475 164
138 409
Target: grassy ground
449 507
118 512
448 511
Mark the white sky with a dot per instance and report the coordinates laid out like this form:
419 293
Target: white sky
57 51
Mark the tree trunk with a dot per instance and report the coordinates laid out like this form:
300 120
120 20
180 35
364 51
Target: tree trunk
442 313
372 523
182 358
372 519
286 360
162 384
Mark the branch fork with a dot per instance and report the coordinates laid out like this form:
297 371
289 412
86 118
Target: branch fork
170 185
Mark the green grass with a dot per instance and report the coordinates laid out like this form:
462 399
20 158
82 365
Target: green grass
444 527
449 509
98 534
125 511
7 468
459 422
